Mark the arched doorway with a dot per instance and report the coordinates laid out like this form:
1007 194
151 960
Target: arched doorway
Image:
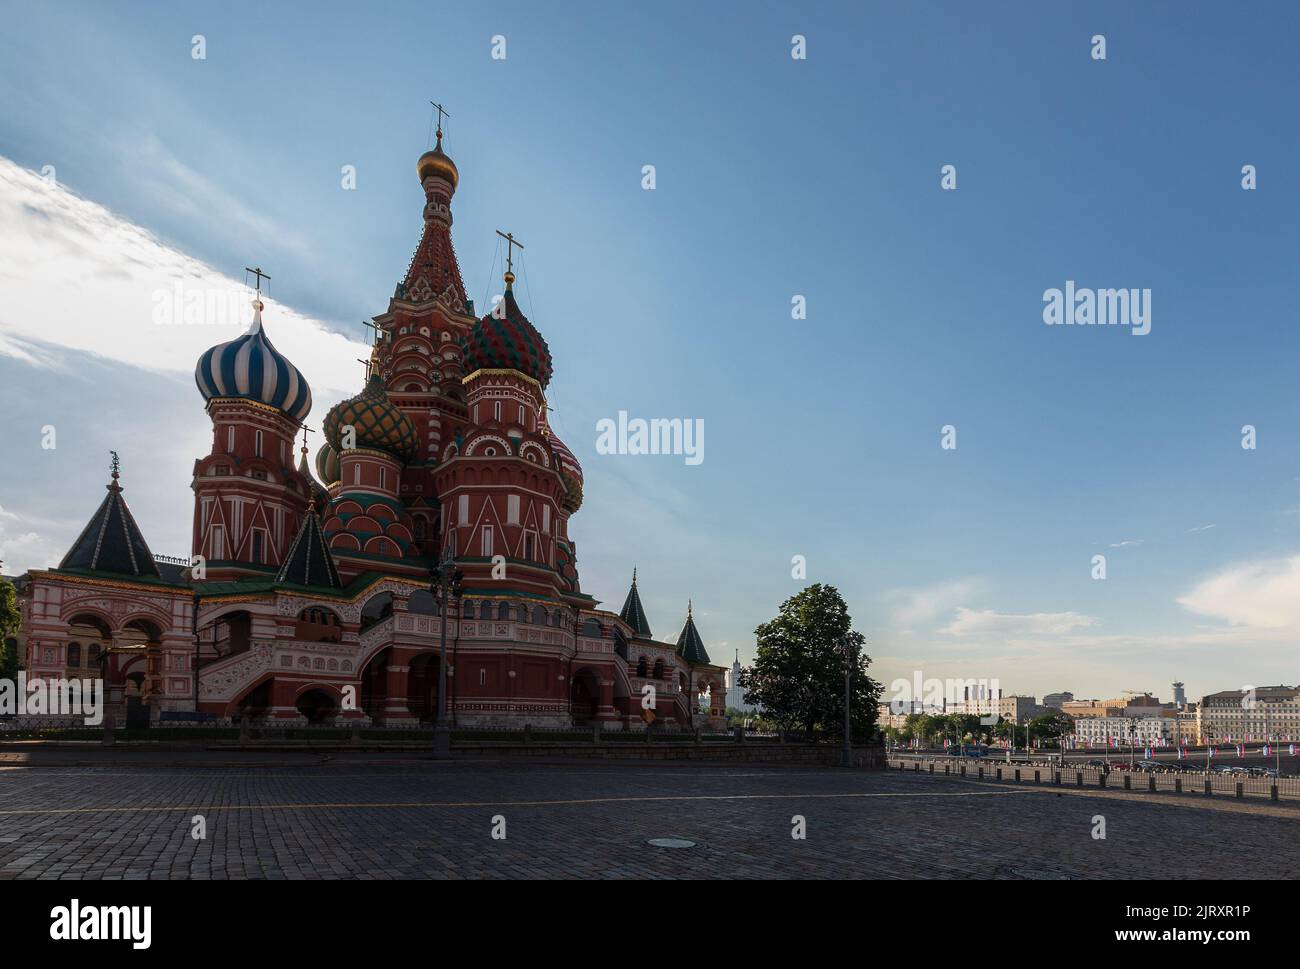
422 688
374 685
256 704
584 696
318 706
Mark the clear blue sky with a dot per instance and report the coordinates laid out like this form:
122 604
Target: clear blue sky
778 177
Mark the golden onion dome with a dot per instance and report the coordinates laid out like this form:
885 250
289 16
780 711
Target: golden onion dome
437 163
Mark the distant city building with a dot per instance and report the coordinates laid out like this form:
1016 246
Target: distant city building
1006 707
1057 700
1239 716
1132 700
1140 731
735 692
1080 709
888 716
1180 696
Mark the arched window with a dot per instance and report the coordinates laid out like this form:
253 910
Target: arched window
659 669
92 655
591 629
503 612
539 616
522 612
485 610
74 655
640 666
468 610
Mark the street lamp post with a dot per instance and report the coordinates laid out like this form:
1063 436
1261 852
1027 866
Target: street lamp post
850 660
445 586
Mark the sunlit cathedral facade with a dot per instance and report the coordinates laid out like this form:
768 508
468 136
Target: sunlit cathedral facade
307 596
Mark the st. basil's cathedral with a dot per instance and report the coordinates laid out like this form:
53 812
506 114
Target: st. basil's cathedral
307 597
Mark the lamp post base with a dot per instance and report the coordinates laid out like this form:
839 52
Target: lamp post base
441 741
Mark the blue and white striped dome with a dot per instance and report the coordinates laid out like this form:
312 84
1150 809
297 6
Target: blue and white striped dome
250 367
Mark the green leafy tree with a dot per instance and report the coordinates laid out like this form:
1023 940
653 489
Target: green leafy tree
1050 727
798 673
10 621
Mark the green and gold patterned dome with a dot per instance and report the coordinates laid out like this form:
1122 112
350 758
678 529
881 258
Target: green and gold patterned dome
379 424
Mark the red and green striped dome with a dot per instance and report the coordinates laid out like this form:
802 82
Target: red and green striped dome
508 341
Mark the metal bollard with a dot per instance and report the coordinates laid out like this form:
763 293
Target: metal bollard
1056 779
1037 778
1273 792
1128 783
1151 782
981 777
963 770
1239 790
1178 785
931 767
1209 789
1101 781
1079 778
1017 775
999 773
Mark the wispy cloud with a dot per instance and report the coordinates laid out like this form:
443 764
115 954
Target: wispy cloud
1260 595
978 622
909 607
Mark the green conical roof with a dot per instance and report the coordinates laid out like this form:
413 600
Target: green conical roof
309 561
111 540
689 645
633 614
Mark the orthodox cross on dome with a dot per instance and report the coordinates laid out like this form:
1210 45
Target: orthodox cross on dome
441 113
374 326
115 465
511 242
305 431
257 271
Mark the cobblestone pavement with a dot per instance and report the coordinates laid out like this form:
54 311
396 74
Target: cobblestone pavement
592 820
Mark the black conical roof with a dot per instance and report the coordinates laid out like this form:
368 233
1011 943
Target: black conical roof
689 645
633 614
111 541
309 561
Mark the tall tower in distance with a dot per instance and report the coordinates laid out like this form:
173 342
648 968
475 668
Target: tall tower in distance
1180 696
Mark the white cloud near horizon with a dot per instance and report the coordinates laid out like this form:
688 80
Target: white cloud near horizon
1262 594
